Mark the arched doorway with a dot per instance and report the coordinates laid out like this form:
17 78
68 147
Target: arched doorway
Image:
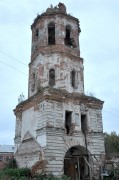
77 163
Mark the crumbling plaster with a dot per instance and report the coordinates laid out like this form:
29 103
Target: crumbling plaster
51 114
62 65
61 21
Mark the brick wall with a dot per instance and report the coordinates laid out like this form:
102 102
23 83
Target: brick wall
4 159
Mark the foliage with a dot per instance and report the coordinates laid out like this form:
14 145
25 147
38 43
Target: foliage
23 174
12 164
112 143
51 177
17 173
116 171
11 172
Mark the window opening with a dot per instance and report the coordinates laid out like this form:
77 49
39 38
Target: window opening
37 33
33 76
83 123
68 116
7 158
51 34
51 77
73 74
68 40
67 37
33 82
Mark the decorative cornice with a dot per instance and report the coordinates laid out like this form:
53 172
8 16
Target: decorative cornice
59 95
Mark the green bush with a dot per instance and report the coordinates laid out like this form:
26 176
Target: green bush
65 178
17 173
51 177
116 171
24 174
12 164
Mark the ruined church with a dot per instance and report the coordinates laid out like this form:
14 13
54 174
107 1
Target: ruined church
59 129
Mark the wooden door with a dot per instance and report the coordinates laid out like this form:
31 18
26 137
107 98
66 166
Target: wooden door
71 168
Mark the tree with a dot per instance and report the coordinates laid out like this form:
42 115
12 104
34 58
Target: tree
112 143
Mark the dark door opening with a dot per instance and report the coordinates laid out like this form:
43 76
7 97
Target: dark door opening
71 168
75 165
83 123
68 117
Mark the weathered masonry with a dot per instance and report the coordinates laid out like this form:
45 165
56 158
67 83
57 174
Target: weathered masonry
58 128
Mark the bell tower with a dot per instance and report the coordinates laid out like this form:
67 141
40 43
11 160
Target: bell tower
55 57
59 129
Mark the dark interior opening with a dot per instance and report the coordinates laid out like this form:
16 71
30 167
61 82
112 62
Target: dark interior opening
51 34
67 37
51 77
73 74
75 165
37 33
68 116
68 40
33 76
83 123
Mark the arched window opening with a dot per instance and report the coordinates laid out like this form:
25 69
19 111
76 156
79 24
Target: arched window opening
73 74
51 34
68 40
51 77
67 37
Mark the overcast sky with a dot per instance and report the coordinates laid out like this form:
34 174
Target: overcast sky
99 46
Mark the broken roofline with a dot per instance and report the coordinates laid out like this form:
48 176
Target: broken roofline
46 14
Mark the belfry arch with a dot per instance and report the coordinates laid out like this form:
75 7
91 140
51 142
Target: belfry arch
78 163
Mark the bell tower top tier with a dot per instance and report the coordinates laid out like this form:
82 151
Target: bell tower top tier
55 57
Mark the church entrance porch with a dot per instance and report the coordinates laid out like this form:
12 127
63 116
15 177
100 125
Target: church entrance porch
77 163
